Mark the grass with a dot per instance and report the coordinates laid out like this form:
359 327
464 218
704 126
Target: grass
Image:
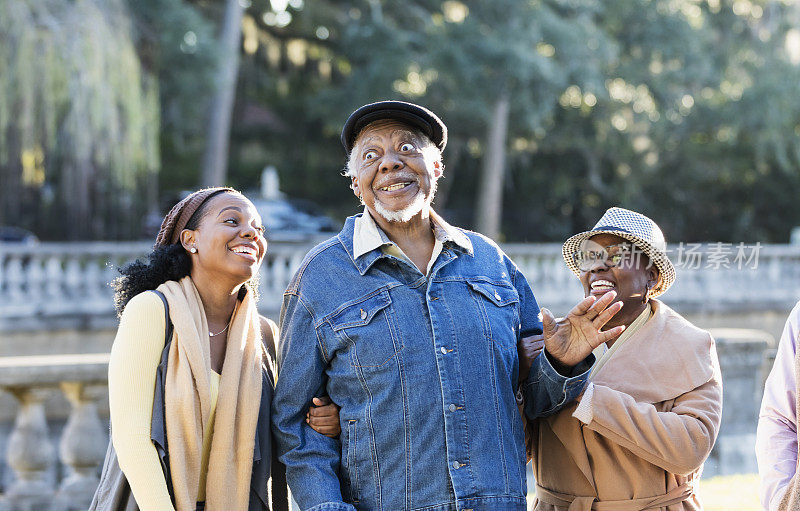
730 493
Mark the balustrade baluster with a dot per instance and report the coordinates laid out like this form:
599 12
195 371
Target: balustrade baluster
296 257
280 275
54 277
15 277
270 281
96 297
3 262
30 454
36 278
83 446
110 271
73 283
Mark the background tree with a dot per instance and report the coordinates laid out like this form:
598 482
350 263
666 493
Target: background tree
557 109
177 43
215 160
78 119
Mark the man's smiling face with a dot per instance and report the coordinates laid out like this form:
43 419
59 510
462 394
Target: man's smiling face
396 170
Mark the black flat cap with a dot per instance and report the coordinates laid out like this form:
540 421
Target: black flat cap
414 115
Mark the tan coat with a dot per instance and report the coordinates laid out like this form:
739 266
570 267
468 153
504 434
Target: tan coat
656 406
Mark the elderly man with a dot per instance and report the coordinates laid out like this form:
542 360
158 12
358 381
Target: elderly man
412 327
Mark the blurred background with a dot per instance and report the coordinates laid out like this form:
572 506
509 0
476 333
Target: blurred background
680 109
111 110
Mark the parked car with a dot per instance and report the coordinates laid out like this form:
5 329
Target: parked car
11 234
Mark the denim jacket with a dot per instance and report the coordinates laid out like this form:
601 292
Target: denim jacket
425 371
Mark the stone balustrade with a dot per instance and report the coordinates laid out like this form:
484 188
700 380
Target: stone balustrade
68 282
56 296
29 453
707 281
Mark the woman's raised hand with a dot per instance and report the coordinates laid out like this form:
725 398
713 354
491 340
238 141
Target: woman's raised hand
569 340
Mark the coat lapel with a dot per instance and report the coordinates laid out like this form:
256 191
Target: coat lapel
683 351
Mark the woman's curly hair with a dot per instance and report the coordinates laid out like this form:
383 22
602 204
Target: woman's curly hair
164 263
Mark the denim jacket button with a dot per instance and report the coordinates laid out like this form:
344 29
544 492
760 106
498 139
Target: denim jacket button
363 314
496 296
452 407
456 464
443 350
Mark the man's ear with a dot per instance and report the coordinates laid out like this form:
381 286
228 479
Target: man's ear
187 239
438 169
355 187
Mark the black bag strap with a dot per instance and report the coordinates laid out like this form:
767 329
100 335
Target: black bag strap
158 426
167 321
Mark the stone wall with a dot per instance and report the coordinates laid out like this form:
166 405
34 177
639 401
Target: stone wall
742 355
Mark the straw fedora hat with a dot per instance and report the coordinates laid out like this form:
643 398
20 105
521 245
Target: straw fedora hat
636 228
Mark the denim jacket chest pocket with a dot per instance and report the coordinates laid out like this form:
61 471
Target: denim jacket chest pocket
498 306
368 328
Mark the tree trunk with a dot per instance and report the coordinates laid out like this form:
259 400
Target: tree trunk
215 160
490 192
10 177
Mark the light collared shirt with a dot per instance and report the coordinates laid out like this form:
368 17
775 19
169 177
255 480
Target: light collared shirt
776 438
368 236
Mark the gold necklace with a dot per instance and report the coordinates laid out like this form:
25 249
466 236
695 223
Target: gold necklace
221 331
218 333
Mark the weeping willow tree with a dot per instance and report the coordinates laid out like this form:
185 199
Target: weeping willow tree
79 120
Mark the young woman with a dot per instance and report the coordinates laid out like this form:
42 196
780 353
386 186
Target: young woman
216 392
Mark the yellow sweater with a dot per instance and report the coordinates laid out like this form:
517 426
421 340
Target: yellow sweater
135 356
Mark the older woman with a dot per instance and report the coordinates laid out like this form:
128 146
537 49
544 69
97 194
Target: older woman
651 411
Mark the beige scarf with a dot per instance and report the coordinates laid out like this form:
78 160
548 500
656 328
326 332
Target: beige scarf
188 401
791 499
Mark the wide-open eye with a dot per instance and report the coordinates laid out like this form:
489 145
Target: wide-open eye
406 147
370 155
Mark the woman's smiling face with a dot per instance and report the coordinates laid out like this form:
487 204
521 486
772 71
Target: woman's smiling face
229 238
632 277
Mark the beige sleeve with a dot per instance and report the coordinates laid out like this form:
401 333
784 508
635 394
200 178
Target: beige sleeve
678 440
135 356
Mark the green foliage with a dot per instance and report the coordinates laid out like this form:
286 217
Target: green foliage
176 44
682 109
78 118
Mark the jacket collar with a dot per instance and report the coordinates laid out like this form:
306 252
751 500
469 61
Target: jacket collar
363 238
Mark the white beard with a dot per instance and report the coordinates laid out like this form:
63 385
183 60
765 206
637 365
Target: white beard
418 204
